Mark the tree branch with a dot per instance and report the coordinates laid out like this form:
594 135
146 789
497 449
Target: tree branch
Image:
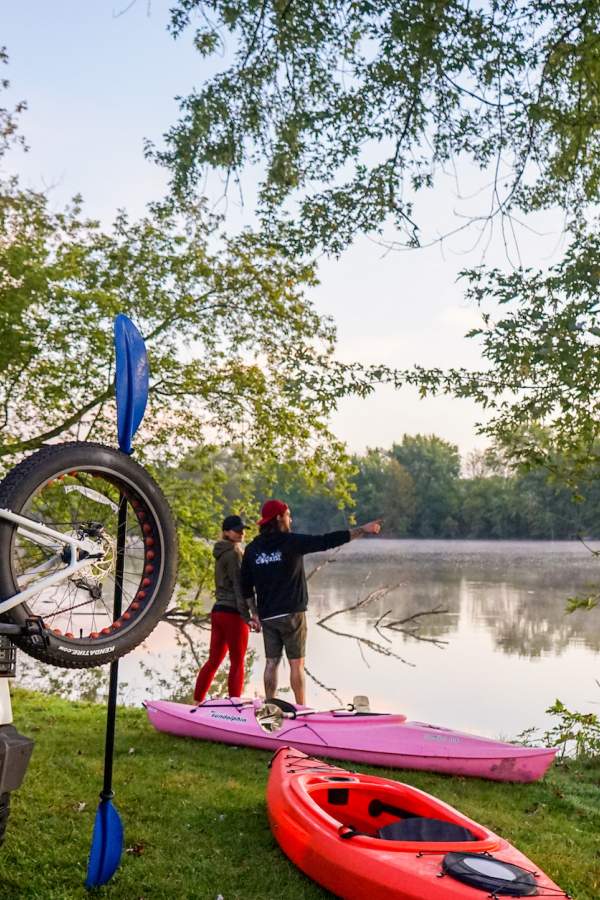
34 443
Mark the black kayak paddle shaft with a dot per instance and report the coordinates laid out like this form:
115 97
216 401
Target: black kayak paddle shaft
107 791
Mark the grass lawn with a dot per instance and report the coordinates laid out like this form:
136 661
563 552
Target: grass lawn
195 821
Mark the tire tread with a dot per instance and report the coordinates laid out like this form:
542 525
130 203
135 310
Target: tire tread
15 482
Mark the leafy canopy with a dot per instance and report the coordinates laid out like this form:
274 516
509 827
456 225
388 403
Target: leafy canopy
350 108
9 133
238 355
540 381
237 352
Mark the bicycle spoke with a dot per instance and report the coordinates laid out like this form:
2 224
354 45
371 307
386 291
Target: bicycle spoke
89 508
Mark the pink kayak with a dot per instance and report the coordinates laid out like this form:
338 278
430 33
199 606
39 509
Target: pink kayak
378 739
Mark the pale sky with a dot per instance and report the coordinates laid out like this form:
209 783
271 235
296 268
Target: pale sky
97 83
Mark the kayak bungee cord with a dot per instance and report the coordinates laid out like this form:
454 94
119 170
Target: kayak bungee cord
311 729
209 705
321 767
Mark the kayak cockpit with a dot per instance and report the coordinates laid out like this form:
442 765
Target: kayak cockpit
367 809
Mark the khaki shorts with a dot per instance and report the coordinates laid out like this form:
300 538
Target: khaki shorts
285 631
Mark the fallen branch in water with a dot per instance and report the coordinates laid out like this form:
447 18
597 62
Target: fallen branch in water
378 629
412 632
367 642
362 653
396 625
377 594
437 610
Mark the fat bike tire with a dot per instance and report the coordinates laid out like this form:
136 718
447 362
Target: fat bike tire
67 467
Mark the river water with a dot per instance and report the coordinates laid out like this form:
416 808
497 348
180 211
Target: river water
494 653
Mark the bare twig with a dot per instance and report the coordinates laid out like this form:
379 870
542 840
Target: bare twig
324 686
437 610
378 629
362 653
376 594
587 546
419 637
366 642
122 12
380 619
191 645
179 617
396 626
326 562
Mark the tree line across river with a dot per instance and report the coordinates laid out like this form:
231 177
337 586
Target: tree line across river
423 490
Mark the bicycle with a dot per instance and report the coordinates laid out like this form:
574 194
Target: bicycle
88 564
58 537
59 513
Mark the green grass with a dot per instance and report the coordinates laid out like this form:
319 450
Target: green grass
195 822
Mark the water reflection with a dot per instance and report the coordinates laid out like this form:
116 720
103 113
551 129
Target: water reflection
510 650
515 589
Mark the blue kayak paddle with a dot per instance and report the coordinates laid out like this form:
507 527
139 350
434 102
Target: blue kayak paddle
131 387
131 380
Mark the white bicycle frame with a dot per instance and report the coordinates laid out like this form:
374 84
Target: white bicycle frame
47 537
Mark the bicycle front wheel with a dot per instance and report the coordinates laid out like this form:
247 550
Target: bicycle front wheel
76 489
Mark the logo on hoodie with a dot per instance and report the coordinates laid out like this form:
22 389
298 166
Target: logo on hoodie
265 559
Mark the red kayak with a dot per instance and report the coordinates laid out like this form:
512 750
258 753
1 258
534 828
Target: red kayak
369 838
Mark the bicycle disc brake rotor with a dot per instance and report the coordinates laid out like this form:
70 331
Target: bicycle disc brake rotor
92 576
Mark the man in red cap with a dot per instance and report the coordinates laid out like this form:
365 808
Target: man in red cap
274 587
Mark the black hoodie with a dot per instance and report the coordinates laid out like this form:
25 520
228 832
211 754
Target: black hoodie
273 569
228 558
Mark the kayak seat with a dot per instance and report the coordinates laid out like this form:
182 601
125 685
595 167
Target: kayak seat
420 828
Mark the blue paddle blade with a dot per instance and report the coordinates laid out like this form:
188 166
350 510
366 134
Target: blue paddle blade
131 380
107 845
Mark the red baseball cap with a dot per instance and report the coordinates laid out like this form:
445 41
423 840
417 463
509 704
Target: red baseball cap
271 509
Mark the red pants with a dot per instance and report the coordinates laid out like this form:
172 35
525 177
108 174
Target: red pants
228 632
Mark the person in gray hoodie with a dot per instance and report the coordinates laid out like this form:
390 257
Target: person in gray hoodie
230 616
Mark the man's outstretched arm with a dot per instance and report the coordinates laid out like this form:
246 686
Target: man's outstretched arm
316 543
